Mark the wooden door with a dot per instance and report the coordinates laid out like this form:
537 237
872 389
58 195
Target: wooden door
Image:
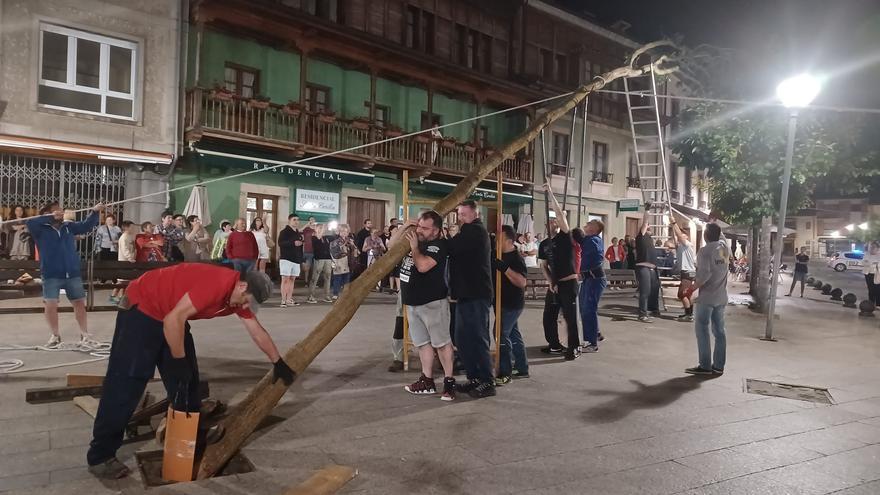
360 209
632 226
266 207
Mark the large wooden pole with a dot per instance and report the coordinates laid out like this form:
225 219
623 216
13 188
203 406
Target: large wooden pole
499 222
244 418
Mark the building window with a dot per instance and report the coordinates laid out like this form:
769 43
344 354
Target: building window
600 157
809 225
688 183
546 64
486 53
317 98
87 73
561 69
673 177
242 81
419 29
430 120
559 154
382 116
633 179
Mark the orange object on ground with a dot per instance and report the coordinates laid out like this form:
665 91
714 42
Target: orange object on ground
180 445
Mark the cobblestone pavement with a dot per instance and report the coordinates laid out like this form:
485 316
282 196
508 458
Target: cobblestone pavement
624 420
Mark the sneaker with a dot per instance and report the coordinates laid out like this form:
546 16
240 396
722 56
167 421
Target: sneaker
482 390
396 366
698 371
590 348
54 342
601 337
214 434
283 304
110 469
572 354
312 300
88 341
422 386
716 371
502 380
335 297
293 302
519 374
645 319
328 300
448 389
656 314
467 386
685 318
115 300
553 350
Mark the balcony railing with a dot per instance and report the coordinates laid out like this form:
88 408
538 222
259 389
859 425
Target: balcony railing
674 196
633 182
704 205
689 200
599 176
321 133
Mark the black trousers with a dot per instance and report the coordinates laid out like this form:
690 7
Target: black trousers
139 346
873 289
565 300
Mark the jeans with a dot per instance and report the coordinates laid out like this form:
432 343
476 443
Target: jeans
323 269
472 338
564 299
649 289
139 346
703 315
591 292
243 265
339 281
798 277
511 338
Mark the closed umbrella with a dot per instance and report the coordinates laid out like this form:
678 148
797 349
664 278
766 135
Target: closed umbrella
526 224
198 205
507 219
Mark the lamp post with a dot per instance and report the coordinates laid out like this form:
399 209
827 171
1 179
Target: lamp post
795 92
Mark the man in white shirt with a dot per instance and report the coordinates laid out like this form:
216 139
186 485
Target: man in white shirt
529 251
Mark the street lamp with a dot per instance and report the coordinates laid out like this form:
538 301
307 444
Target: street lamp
836 233
794 93
850 227
863 226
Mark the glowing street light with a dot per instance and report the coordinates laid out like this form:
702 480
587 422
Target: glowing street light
835 234
795 92
798 91
863 226
850 227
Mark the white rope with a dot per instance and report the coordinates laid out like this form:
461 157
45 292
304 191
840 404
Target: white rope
316 157
99 350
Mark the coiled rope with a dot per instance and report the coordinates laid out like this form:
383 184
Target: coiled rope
98 350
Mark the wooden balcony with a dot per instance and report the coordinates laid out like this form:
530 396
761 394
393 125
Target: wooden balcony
287 127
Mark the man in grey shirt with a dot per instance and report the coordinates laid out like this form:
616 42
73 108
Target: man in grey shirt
711 281
686 266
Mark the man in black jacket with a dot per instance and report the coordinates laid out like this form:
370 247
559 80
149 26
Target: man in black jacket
470 280
290 240
359 239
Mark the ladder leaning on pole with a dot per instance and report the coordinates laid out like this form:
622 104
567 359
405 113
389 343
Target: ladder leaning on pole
648 146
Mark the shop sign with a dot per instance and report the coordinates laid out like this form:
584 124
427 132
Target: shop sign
317 201
628 204
299 172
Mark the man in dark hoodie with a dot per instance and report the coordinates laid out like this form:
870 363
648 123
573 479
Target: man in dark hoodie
470 280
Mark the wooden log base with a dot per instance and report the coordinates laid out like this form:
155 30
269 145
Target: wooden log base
327 481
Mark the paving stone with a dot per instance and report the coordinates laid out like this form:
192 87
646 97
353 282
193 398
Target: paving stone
70 437
45 460
24 442
855 466
872 488
724 464
23 481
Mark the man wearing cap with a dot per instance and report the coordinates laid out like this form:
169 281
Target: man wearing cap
152 330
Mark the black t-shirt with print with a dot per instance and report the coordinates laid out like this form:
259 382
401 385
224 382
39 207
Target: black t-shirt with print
321 247
645 252
801 265
559 253
417 288
512 297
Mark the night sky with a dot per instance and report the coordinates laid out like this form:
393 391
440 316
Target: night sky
772 38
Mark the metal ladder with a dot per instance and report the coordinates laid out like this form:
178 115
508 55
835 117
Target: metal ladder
648 146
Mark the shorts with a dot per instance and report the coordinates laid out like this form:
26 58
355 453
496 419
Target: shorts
73 287
308 258
288 268
429 323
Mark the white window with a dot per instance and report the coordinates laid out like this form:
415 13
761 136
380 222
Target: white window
87 73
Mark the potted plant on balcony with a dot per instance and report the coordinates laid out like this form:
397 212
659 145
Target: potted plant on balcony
393 131
327 117
448 142
220 93
361 123
470 147
424 137
292 108
260 102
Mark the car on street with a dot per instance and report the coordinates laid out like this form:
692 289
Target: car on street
846 260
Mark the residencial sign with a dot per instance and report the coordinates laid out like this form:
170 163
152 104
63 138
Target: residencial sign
317 201
628 204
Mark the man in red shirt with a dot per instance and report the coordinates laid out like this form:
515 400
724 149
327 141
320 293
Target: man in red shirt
241 247
152 330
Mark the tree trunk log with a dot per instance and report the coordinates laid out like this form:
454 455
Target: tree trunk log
762 266
244 418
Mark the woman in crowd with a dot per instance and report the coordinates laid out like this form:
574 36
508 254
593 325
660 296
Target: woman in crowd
322 264
374 247
20 246
149 245
264 243
341 250
127 251
871 271
218 245
107 239
196 240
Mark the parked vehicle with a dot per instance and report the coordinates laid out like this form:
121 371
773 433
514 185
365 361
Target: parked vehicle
841 262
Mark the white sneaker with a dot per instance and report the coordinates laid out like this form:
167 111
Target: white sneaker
311 300
283 304
54 342
86 340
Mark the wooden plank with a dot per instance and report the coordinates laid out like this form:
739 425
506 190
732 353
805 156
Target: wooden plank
88 404
76 380
56 394
327 481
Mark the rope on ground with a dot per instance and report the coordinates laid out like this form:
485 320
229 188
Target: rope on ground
98 350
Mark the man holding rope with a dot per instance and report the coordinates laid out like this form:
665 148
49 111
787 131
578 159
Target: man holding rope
152 329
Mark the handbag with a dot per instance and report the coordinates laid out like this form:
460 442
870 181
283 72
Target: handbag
181 431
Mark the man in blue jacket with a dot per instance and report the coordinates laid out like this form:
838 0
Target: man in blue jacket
60 265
